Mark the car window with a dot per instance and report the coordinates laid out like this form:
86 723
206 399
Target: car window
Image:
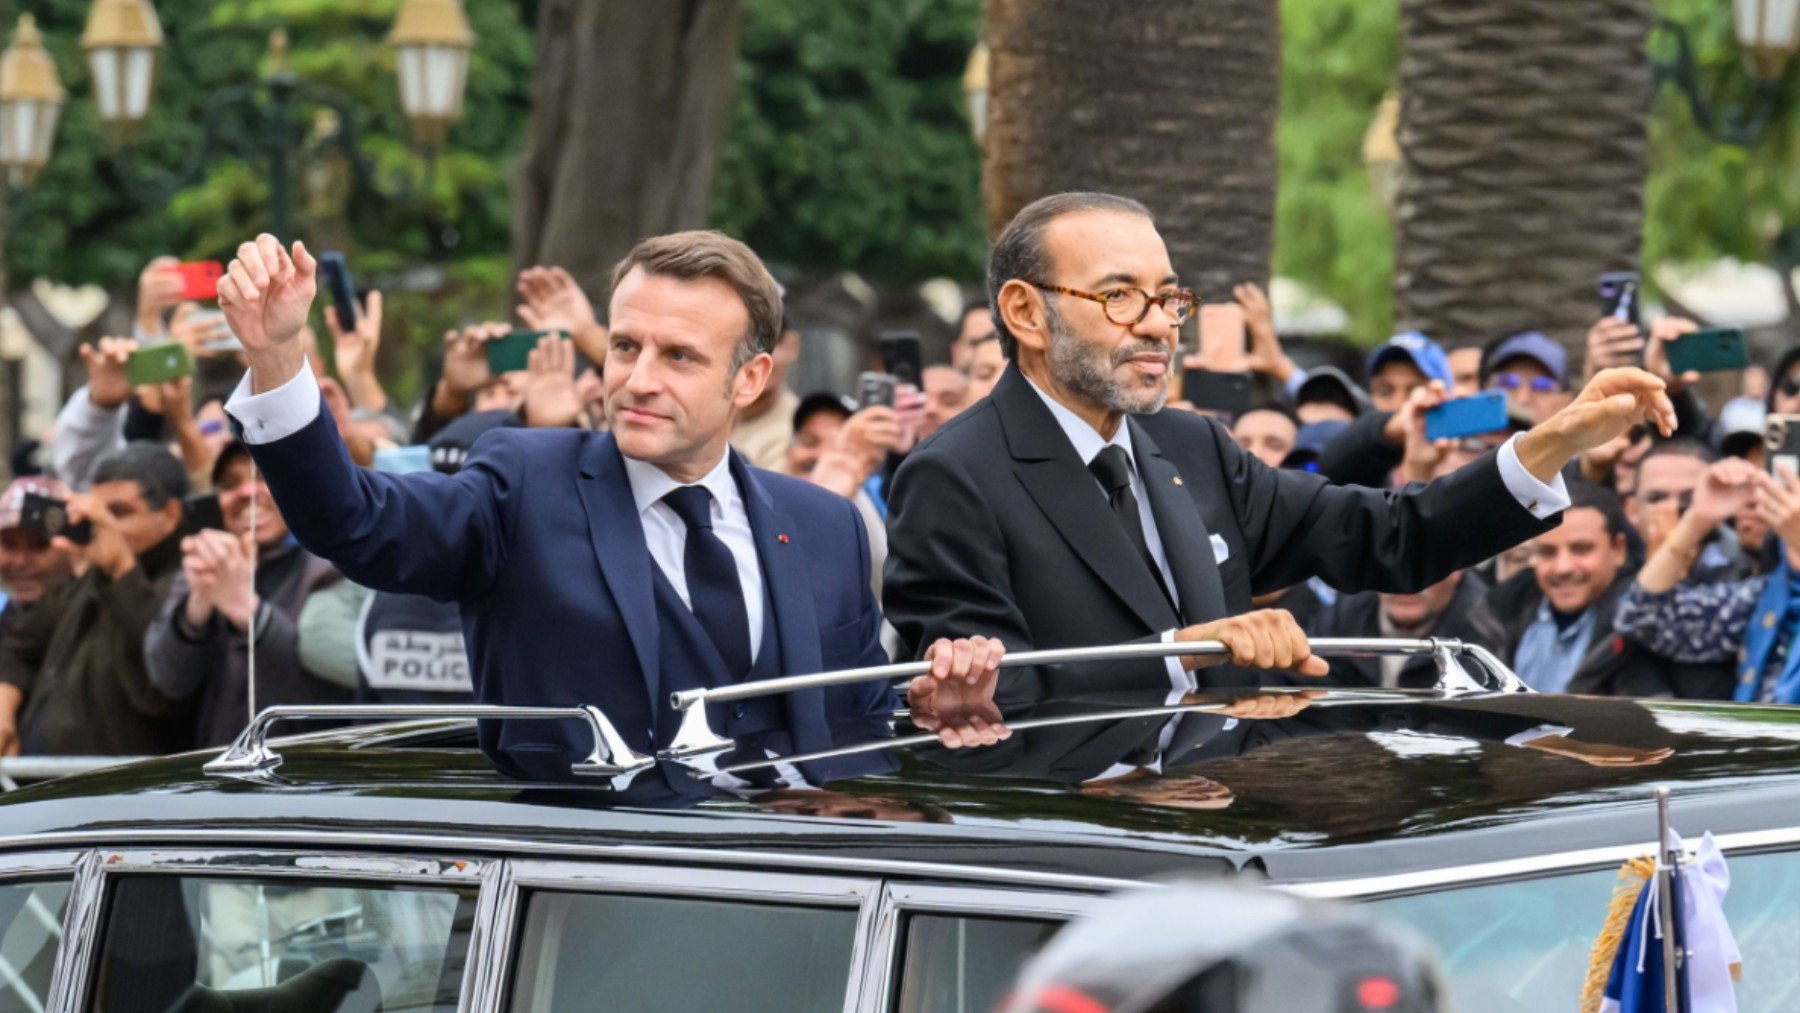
176 944
955 964
31 917
1524 946
586 952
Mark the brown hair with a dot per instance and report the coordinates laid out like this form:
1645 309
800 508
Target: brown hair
705 254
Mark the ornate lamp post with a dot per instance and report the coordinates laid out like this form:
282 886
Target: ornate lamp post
31 100
432 40
122 40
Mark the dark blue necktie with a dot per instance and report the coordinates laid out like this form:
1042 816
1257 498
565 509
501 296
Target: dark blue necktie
714 592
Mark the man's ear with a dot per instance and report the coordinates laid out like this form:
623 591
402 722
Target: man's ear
1631 511
173 510
751 378
1022 309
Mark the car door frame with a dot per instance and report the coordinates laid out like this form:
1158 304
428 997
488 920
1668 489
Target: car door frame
75 968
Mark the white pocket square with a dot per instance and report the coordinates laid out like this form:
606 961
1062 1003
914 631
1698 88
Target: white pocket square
1221 551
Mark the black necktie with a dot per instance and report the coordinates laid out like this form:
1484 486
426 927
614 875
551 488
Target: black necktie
714 592
1113 468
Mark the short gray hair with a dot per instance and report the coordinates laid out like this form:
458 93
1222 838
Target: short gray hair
1020 252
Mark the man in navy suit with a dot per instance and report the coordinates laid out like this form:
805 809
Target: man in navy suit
607 569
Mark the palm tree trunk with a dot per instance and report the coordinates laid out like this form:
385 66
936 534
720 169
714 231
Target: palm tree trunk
1524 151
628 109
1171 102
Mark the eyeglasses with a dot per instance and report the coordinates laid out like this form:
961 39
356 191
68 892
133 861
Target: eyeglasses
1788 385
1126 305
1513 381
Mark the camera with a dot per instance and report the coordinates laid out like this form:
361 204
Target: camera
48 517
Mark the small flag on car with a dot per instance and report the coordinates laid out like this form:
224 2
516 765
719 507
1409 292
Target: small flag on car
1626 972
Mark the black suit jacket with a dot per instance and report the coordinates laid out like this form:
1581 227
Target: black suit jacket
997 528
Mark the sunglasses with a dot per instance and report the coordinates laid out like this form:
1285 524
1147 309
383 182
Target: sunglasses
1789 385
1513 381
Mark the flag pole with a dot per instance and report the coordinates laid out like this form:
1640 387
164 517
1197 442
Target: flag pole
1665 896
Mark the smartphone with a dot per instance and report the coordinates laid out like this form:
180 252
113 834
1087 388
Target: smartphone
1709 351
1619 296
222 345
159 364
337 282
1781 442
1467 416
1224 339
203 512
875 390
403 460
513 352
48 517
1225 393
200 280
902 357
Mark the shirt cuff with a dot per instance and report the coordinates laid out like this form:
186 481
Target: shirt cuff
1181 681
1540 732
275 414
1543 501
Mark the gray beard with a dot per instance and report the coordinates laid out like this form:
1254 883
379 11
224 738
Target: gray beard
1084 369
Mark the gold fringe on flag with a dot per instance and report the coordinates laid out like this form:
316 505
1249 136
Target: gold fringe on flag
1632 877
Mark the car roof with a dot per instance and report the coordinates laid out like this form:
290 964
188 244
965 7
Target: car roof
1359 784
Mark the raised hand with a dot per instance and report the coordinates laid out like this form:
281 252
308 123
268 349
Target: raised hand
1612 402
550 397
106 547
1726 487
355 347
1266 356
267 293
554 302
1612 342
195 328
202 580
1656 356
159 287
108 386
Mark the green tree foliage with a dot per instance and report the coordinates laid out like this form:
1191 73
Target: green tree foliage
96 214
1706 199
1338 60
848 147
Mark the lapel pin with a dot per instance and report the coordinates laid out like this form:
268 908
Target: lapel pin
1177 479
781 538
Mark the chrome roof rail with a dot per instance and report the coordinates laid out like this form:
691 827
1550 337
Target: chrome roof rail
696 737
251 754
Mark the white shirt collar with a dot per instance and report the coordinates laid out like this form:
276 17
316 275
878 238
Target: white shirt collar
1088 441
649 484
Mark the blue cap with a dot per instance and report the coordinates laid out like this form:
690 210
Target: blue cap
1417 350
1311 441
1535 346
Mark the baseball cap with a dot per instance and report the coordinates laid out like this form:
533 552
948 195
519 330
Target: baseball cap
12 501
1331 384
450 447
227 454
1310 443
1537 347
1415 349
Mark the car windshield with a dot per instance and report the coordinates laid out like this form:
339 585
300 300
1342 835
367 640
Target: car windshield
1513 947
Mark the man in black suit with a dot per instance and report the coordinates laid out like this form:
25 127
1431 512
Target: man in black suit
1067 509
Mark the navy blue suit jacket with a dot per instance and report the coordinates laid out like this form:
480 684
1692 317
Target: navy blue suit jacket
539 542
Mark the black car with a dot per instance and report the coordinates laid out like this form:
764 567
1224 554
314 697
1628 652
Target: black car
388 867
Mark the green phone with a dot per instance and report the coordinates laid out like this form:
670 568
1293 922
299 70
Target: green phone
159 364
512 352
1709 351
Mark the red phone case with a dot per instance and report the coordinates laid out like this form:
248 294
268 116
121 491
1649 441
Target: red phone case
200 279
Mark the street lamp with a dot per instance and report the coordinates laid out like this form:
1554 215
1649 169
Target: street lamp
1767 32
31 99
122 39
432 40
975 90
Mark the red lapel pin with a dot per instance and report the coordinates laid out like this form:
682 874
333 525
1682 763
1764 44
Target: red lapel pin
781 538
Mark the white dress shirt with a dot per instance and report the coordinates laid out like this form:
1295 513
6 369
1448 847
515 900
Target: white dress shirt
291 407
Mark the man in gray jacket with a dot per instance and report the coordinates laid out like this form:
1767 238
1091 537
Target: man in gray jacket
199 644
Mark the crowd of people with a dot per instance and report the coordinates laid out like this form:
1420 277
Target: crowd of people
1670 573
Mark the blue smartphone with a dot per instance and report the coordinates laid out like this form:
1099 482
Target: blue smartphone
1467 416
